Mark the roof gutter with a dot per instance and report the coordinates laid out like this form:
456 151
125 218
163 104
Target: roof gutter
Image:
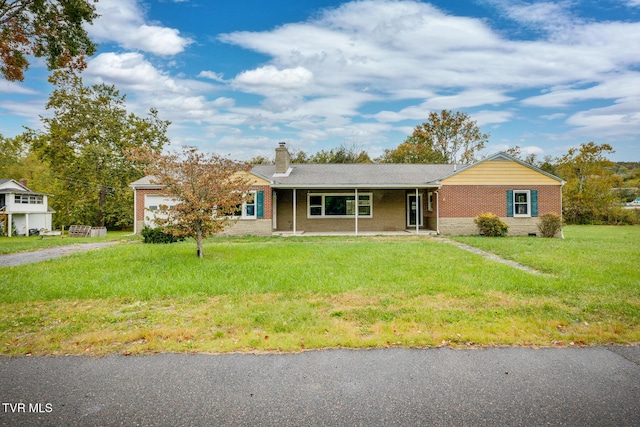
353 186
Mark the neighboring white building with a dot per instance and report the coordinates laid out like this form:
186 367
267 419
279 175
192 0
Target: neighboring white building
22 208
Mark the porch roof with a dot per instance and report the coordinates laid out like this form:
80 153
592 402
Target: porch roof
359 175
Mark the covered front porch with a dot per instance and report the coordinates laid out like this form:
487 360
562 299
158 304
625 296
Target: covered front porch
355 211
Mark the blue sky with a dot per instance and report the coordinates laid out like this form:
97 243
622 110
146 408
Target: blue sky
237 77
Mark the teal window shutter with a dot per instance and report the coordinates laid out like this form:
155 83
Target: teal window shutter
509 202
534 202
260 204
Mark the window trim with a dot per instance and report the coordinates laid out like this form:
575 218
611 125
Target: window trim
28 199
243 213
515 204
322 205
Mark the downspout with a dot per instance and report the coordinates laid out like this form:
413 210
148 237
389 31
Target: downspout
357 209
437 212
418 209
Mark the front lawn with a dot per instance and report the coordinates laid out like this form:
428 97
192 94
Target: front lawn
290 294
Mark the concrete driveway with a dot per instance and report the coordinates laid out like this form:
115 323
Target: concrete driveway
593 386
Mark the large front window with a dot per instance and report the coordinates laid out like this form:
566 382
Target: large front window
337 205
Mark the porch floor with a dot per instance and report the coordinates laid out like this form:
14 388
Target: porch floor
360 233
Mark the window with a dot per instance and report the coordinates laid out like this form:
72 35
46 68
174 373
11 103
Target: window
339 205
249 208
522 203
31 200
430 201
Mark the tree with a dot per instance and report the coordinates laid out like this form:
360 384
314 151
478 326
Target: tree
587 194
260 160
546 164
298 156
207 189
11 153
86 144
444 138
53 29
411 151
342 154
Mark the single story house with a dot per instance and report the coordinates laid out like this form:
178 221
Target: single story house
22 208
324 198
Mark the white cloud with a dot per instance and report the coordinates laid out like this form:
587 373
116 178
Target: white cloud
618 86
486 117
123 22
219 77
333 75
269 78
16 88
619 120
411 50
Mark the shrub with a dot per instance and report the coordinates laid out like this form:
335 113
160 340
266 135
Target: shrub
618 215
156 235
549 224
491 225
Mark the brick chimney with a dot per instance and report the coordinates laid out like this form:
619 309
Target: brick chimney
283 159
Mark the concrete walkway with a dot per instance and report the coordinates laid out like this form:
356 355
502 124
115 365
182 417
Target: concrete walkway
489 255
593 386
49 253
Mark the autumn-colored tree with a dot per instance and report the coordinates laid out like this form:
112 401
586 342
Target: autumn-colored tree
86 144
53 29
446 137
587 194
207 189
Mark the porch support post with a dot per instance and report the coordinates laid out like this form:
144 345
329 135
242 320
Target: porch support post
295 210
135 212
357 209
9 224
418 209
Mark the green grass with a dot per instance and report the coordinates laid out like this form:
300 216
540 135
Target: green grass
288 294
15 244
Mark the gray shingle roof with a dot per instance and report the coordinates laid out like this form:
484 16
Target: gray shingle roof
356 175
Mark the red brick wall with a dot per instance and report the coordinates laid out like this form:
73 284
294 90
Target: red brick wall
457 201
140 212
268 200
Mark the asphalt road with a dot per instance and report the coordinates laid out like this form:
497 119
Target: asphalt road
593 386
